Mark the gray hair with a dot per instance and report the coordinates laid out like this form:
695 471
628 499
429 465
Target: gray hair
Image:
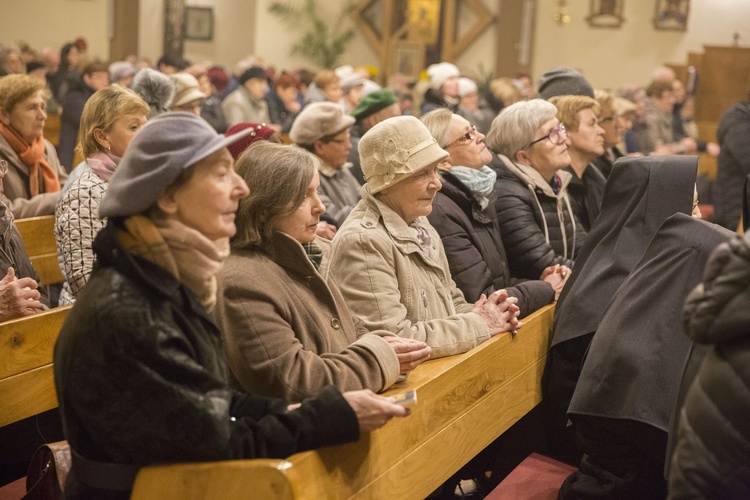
514 128
437 122
278 177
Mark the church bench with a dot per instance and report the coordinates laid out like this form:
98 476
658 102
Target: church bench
464 403
38 234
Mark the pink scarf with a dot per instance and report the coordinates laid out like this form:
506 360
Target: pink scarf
103 164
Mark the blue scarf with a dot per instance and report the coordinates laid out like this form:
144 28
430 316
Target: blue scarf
480 182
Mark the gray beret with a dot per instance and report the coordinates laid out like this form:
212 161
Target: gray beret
165 147
564 81
319 119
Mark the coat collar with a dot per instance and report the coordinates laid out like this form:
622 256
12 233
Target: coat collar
462 196
530 176
402 236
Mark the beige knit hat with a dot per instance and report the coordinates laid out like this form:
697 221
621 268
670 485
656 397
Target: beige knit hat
396 148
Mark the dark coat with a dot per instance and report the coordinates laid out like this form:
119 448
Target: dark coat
141 378
586 195
640 356
475 251
712 454
640 195
279 113
604 164
433 100
70 121
734 163
538 227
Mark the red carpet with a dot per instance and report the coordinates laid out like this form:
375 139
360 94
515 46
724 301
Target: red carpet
536 478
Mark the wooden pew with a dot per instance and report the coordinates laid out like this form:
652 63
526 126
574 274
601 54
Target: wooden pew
38 235
27 385
465 402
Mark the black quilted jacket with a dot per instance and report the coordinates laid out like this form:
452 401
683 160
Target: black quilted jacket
538 227
712 455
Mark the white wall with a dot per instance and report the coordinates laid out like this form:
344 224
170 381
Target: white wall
613 57
51 23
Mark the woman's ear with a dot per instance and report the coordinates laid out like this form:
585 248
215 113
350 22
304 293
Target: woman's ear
522 157
167 204
101 137
4 117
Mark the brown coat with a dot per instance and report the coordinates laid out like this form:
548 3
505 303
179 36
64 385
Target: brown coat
287 331
15 193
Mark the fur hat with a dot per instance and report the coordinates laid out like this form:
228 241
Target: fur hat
564 81
440 72
374 102
186 89
157 155
396 148
156 88
351 81
259 132
319 119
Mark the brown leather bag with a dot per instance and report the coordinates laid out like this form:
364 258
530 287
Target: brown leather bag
48 471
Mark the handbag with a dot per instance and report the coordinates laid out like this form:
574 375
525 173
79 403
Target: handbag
48 471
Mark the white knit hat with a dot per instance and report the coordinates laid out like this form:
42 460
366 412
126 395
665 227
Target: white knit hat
440 72
466 86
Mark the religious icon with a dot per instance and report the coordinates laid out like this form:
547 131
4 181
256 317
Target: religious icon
671 15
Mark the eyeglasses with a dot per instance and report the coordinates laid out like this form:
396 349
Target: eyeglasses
695 204
467 137
555 136
340 141
3 167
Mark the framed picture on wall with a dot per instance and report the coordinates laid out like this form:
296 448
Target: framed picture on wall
605 13
199 23
671 15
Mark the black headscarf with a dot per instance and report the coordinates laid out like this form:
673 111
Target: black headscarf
640 193
638 359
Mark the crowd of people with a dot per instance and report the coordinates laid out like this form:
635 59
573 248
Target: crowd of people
253 256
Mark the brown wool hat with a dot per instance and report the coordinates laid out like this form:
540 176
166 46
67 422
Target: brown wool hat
396 148
318 120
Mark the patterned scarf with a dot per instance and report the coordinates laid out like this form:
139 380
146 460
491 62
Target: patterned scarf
314 253
103 164
32 155
186 253
422 234
480 182
556 184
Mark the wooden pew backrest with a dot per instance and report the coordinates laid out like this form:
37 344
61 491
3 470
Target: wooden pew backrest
27 385
38 235
465 403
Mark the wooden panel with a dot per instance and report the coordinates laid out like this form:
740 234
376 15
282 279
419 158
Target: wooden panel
27 343
27 394
52 129
38 235
716 91
465 402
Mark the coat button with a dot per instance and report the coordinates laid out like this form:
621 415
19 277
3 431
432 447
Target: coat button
335 323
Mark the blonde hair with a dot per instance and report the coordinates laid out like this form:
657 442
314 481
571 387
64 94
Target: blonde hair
278 177
568 107
102 110
324 78
437 122
506 90
15 89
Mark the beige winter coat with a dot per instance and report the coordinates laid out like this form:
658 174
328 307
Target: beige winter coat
286 328
391 284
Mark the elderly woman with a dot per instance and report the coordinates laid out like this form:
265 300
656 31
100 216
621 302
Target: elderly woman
580 116
611 121
109 121
464 216
536 218
140 373
389 261
32 185
287 331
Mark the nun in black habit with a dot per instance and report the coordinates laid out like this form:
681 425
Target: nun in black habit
639 195
628 392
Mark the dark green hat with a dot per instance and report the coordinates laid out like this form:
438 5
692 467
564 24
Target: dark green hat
374 102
